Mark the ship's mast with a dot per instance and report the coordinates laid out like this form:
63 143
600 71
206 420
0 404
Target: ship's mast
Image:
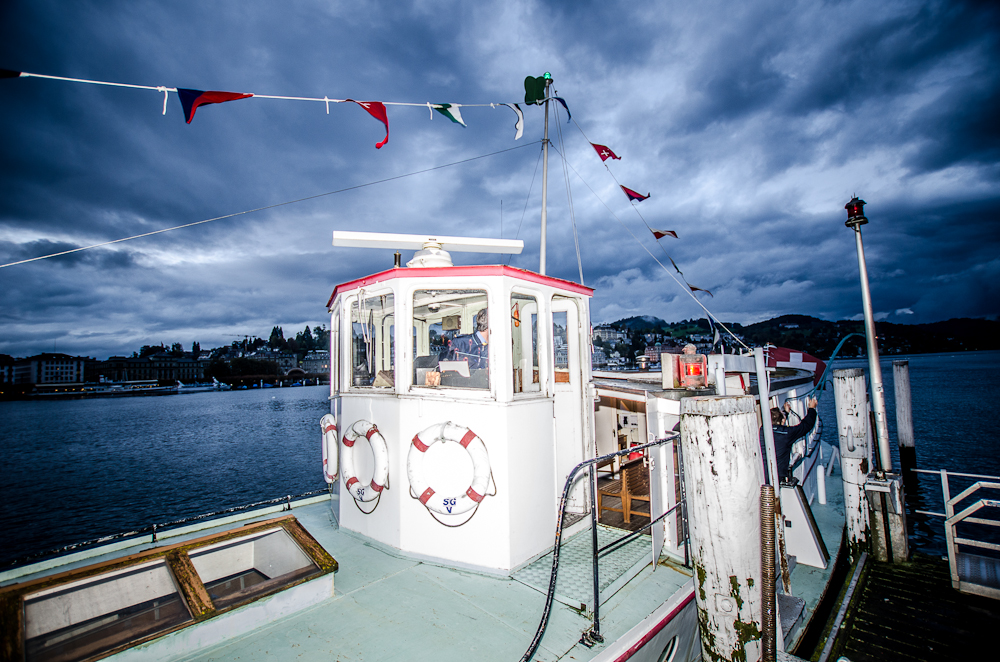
545 174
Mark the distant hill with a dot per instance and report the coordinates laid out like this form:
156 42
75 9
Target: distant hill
820 337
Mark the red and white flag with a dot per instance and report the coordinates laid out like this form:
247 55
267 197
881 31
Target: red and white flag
605 152
660 234
782 357
377 110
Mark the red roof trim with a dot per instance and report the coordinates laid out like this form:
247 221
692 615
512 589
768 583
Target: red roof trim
473 270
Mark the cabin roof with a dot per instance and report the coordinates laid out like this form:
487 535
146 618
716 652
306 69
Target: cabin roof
471 270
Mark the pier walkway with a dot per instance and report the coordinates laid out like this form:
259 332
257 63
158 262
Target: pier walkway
910 611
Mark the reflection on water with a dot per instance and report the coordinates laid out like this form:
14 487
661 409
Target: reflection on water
955 398
79 469
75 470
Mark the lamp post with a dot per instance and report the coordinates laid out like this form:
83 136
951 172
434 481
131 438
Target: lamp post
855 219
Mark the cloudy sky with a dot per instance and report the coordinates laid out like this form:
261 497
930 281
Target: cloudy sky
751 124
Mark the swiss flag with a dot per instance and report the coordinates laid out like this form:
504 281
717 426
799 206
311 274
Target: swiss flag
605 152
782 357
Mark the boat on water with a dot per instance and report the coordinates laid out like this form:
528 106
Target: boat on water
214 385
490 497
103 389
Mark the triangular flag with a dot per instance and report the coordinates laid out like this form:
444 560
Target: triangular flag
191 99
9 73
563 102
605 152
699 289
632 195
451 111
660 234
519 124
377 110
675 265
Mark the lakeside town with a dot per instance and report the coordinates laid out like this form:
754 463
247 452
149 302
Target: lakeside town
634 342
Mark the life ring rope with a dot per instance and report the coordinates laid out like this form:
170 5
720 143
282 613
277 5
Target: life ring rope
380 473
478 489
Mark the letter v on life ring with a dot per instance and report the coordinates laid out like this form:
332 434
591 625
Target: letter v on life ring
380 475
448 504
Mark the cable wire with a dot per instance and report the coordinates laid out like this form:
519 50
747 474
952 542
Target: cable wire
250 211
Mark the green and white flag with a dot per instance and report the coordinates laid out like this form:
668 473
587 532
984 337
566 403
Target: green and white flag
451 111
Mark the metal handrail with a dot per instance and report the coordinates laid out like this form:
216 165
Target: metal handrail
594 634
953 519
154 529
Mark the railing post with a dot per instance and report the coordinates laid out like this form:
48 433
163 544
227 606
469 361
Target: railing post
852 429
595 632
723 472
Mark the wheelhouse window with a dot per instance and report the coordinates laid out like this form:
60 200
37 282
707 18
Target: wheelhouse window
372 344
451 336
560 346
524 342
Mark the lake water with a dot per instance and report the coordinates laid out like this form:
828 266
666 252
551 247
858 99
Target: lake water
75 470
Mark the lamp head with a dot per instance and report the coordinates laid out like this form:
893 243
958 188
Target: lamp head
855 213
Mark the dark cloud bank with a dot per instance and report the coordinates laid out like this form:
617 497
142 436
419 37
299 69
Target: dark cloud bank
752 125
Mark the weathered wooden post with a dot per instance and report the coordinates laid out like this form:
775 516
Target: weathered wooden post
723 472
904 420
851 398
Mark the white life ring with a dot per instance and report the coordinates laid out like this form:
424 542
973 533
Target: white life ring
448 504
328 426
380 475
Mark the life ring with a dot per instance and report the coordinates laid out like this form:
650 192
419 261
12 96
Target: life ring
448 504
380 474
328 426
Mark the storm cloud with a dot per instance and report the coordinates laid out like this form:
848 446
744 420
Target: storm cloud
751 125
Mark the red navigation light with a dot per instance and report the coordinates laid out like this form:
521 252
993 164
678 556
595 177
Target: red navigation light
692 369
855 212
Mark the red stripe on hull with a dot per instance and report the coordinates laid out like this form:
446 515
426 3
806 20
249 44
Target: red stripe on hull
646 638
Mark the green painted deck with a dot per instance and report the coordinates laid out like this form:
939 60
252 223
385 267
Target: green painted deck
387 607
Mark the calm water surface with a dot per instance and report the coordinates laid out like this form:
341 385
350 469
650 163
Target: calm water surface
74 470
79 469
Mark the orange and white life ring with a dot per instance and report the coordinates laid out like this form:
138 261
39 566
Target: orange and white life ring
448 504
380 474
328 426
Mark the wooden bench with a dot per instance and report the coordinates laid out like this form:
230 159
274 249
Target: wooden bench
632 486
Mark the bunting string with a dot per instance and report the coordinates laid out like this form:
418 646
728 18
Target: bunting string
685 287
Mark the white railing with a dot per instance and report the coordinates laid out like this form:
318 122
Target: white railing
988 584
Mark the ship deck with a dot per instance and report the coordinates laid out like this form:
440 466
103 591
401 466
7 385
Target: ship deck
386 606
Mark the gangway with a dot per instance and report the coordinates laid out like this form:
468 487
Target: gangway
970 573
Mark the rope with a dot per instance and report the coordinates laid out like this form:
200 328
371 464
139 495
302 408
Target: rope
527 198
325 99
251 211
655 259
569 193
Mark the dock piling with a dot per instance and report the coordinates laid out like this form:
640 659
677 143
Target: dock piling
723 472
904 420
852 430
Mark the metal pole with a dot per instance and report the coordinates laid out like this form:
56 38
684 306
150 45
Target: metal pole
595 632
545 177
874 367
